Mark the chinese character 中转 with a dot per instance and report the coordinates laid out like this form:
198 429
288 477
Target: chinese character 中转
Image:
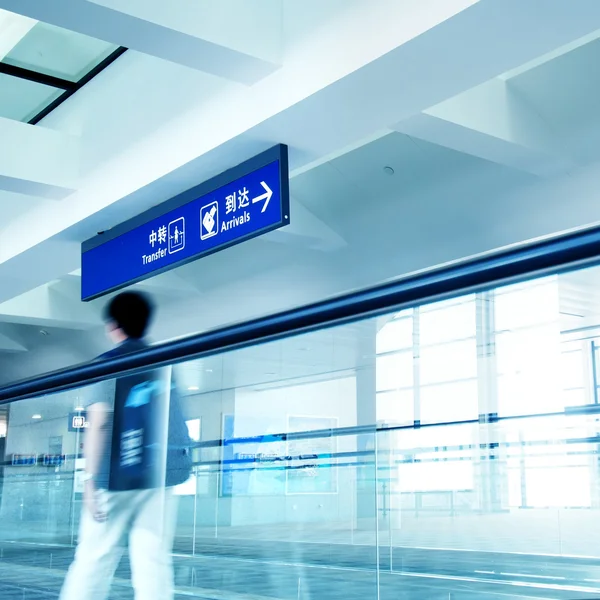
153 238
162 235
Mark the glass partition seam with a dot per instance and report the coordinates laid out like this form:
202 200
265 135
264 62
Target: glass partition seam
559 254
377 536
594 369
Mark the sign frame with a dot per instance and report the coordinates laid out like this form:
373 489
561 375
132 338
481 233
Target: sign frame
53 460
276 153
82 414
24 460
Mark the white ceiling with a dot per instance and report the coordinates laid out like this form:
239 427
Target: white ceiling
14 205
485 111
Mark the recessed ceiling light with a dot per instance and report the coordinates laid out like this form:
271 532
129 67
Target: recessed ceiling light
193 388
388 170
209 370
36 417
44 333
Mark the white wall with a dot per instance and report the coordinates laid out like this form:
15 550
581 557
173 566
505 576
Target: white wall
263 412
61 349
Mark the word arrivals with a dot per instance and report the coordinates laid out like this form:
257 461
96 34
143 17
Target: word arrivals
148 258
241 220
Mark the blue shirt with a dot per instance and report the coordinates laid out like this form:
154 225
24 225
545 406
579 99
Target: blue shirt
104 393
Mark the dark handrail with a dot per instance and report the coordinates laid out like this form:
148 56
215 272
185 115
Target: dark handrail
557 254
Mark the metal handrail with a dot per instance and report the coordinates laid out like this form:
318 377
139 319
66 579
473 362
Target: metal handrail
552 255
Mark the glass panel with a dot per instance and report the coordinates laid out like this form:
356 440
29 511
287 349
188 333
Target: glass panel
522 495
277 481
58 52
286 487
21 99
322 471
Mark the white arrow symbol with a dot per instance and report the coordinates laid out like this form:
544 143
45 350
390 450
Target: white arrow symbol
266 196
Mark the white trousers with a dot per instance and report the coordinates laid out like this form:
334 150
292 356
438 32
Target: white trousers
146 519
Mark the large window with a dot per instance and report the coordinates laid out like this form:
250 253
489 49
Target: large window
189 488
427 372
395 366
528 348
518 351
427 364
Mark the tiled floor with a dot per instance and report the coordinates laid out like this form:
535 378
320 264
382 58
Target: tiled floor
38 573
272 571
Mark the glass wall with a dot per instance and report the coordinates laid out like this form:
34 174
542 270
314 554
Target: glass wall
448 450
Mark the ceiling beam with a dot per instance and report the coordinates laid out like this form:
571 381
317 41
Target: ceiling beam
552 55
227 39
36 161
13 28
51 305
307 231
491 122
8 344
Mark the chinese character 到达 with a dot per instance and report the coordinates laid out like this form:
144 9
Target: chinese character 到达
230 203
243 198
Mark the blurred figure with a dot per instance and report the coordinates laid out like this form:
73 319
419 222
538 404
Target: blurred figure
136 449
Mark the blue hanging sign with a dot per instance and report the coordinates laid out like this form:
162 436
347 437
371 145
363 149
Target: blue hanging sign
242 203
53 460
24 460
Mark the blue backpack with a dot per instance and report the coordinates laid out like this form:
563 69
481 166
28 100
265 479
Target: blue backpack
151 446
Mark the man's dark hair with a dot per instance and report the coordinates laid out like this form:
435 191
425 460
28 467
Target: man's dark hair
131 313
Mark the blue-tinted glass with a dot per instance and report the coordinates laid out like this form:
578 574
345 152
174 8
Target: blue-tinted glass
319 477
58 52
21 100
